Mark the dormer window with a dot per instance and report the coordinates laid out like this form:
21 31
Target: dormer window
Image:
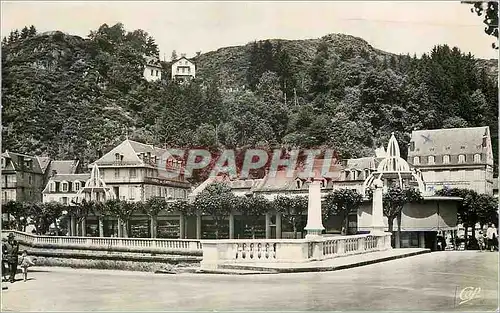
477 158
76 185
446 159
3 162
461 158
117 157
52 187
416 160
64 187
152 72
431 159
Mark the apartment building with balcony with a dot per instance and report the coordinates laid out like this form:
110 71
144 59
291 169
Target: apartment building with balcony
23 177
136 172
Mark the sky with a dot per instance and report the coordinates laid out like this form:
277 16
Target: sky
188 27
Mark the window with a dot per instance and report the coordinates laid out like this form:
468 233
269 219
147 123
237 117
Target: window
412 145
446 159
416 160
461 158
30 179
76 185
133 172
151 72
156 72
477 158
52 187
117 157
131 193
117 172
64 187
430 159
64 200
3 162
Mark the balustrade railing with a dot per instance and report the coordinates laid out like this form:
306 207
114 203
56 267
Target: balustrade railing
229 251
107 243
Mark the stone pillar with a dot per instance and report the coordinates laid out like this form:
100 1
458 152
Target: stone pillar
119 227
278 225
101 226
421 239
84 227
198 225
377 209
153 227
231 225
268 225
125 229
314 225
73 226
182 226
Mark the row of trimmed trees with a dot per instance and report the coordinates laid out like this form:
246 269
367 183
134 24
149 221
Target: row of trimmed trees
218 201
474 209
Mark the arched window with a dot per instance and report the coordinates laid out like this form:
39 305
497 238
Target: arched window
477 158
446 159
430 159
461 158
416 160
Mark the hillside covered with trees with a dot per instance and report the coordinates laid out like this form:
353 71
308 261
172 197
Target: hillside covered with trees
69 97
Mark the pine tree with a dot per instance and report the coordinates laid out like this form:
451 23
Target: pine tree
24 33
318 71
174 55
32 31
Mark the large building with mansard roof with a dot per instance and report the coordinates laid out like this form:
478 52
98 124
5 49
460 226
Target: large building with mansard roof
132 170
453 158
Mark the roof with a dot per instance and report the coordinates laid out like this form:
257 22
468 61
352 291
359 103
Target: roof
451 141
15 157
63 166
44 163
362 163
70 177
152 61
181 58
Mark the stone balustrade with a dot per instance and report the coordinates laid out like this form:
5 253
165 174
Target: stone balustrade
216 252
107 243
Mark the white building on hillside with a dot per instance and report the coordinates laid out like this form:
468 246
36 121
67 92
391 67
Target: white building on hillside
183 69
152 69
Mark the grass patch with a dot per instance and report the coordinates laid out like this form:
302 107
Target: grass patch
110 264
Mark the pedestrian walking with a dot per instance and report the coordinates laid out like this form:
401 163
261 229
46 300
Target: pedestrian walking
492 235
5 264
481 241
12 251
25 261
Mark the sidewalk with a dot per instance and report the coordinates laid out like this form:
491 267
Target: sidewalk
326 265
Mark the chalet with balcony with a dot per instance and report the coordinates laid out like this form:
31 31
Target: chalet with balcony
183 69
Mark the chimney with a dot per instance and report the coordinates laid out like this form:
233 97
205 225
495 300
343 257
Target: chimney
54 172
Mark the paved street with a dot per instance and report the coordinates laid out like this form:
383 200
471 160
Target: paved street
425 282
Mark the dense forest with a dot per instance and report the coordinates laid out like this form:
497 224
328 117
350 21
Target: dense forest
69 97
